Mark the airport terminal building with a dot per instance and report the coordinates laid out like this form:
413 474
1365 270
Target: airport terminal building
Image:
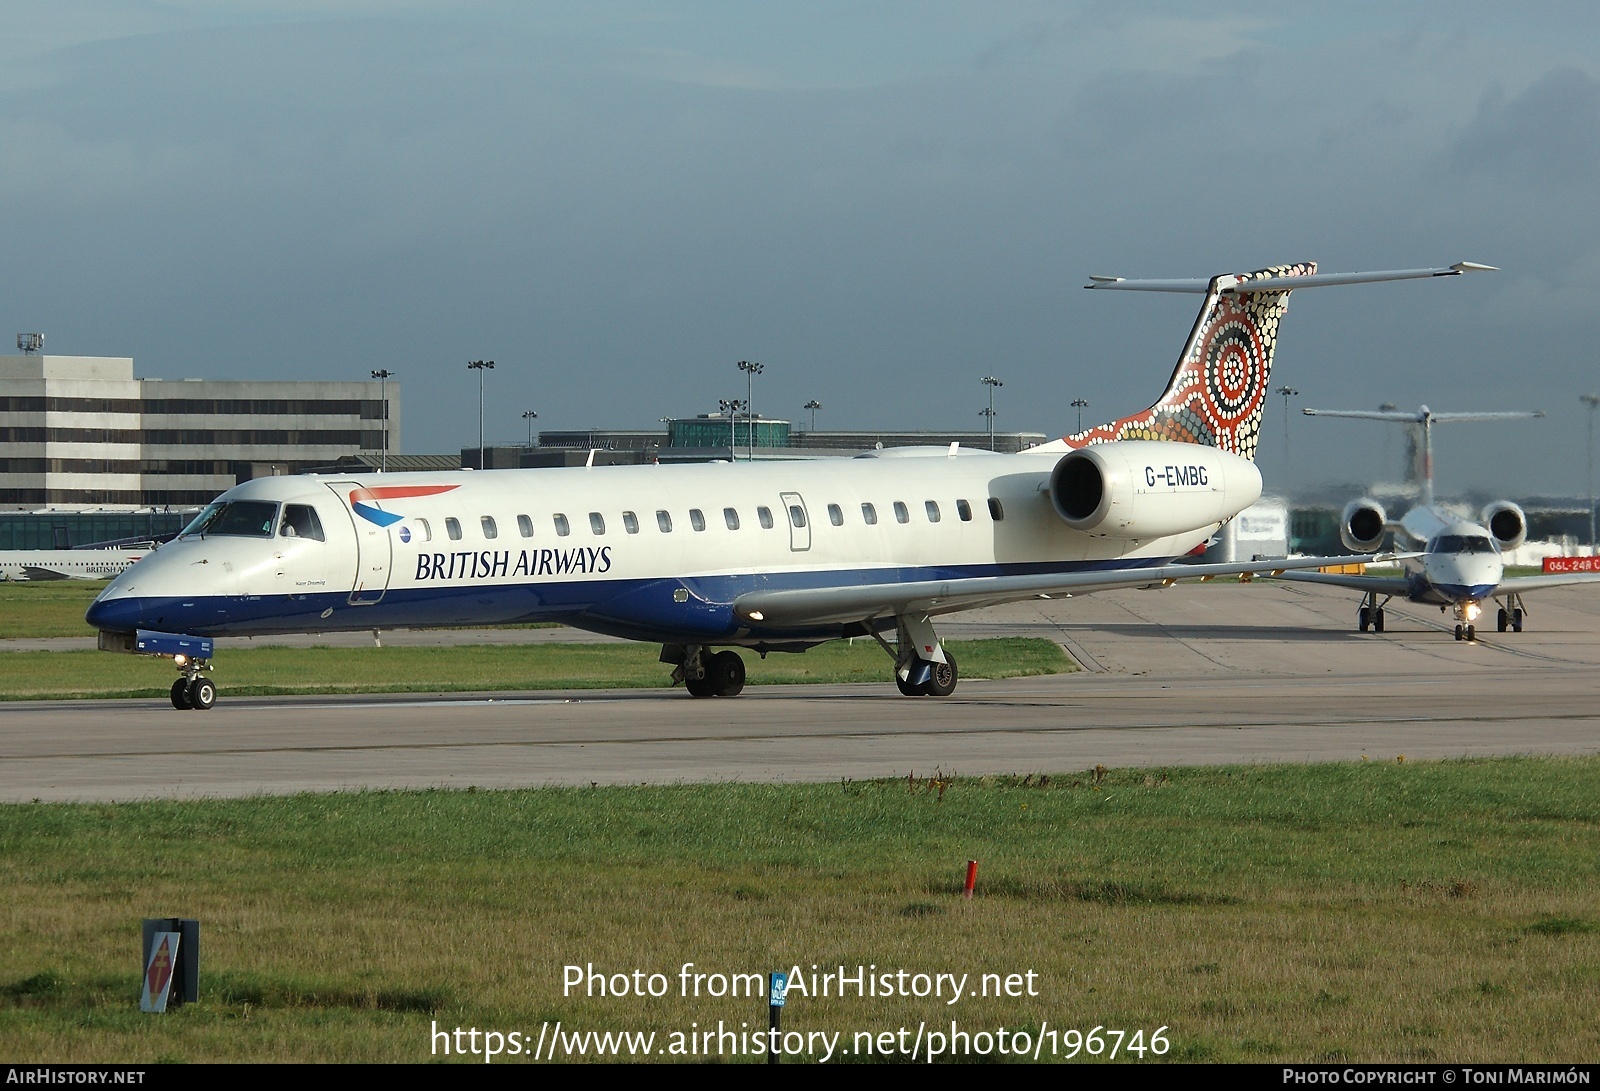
81 430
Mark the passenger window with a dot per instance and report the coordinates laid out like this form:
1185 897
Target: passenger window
996 511
765 515
964 510
300 521
525 526
563 528
597 522
869 515
797 515
453 528
697 519
836 515
731 517
630 522
901 515
489 529
424 531
664 521
932 508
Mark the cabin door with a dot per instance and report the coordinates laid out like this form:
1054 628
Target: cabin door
799 521
374 550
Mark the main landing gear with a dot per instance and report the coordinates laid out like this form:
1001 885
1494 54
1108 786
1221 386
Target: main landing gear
922 668
1371 612
705 673
194 690
1511 614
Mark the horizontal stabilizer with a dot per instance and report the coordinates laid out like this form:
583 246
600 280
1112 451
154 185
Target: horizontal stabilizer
1230 286
1420 416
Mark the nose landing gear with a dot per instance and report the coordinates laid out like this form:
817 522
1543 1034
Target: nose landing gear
194 690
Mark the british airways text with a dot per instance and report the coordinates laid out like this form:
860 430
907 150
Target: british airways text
475 564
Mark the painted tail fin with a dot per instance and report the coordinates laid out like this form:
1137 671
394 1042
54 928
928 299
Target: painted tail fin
1219 389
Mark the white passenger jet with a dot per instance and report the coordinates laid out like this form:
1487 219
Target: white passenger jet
68 564
770 556
1460 565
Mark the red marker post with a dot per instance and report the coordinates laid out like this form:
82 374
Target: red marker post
972 878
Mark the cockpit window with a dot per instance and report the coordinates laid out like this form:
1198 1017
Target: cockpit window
1460 543
236 518
300 521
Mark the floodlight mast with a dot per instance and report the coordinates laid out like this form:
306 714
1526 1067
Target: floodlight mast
991 382
382 375
480 366
751 370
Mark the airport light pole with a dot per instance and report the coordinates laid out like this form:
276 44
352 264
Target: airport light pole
813 405
991 382
751 370
382 375
530 416
1591 402
1080 405
1287 392
732 407
480 366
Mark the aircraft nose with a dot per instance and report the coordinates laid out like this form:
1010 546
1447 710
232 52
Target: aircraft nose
120 615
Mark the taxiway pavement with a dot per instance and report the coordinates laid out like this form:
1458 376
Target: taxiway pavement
1191 674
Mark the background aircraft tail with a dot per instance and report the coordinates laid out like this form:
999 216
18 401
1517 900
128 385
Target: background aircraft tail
1219 389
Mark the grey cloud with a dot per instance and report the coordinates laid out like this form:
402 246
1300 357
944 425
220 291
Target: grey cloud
1549 132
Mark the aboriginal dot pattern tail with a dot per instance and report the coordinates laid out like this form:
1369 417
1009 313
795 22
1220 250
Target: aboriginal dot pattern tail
1219 388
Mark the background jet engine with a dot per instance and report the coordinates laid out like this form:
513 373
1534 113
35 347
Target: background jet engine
1506 523
1147 489
1363 525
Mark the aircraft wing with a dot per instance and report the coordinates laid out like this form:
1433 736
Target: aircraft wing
826 605
33 572
1383 585
1516 585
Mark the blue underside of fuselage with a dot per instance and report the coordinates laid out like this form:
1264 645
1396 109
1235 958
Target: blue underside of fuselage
1448 594
635 609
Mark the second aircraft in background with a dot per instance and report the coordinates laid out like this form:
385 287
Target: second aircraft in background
1461 564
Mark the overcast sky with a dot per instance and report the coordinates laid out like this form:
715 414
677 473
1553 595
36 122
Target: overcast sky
880 202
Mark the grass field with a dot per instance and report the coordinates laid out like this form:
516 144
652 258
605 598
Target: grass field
474 668
46 608
1381 911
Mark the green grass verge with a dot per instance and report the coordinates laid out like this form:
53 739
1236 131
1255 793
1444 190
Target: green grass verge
1382 911
40 608
469 668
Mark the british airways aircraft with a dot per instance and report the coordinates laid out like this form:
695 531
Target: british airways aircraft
768 557
1460 566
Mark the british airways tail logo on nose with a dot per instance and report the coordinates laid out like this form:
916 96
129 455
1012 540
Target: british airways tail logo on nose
389 492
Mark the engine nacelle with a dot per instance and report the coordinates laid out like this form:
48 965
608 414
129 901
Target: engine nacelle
1506 524
1363 525
1147 489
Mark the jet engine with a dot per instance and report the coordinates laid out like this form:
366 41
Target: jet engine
1146 489
1506 523
1363 525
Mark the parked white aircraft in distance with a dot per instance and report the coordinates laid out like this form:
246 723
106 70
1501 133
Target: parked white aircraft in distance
1460 565
68 564
777 556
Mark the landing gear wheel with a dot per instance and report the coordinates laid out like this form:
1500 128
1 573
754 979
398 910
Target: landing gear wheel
1460 631
1501 621
1377 620
699 687
910 689
725 674
1472 632
180 694
202 694
1364 619
1516 620
942 680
